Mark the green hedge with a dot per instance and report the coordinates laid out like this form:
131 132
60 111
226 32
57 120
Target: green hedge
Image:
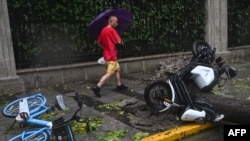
53 32
238 23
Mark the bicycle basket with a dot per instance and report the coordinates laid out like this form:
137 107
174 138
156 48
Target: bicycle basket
62 131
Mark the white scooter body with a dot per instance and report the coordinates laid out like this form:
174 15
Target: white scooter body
203 76
193 115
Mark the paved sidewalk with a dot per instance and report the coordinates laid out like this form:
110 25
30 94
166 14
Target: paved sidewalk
136 118
132 121
90 108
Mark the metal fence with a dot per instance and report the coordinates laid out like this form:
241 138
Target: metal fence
238 23
42 37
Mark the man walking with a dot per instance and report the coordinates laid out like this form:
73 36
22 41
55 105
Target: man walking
108 40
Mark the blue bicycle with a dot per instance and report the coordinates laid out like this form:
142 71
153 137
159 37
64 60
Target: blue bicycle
25 110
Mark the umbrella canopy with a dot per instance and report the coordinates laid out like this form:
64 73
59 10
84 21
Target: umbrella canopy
124 21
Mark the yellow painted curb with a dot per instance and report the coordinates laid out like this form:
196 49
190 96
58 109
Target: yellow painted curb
178 132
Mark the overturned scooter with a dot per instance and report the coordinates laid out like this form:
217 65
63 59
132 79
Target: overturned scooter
205 72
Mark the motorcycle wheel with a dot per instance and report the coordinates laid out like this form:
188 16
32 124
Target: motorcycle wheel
198 47
155 92
202 50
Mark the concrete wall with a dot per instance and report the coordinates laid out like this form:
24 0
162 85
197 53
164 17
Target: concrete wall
34 78
38 77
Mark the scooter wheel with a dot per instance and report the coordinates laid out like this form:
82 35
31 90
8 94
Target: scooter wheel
203 51
155 92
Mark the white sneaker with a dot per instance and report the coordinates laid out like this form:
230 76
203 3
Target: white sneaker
218 117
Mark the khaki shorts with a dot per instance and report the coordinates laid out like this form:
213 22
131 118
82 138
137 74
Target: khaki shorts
113 66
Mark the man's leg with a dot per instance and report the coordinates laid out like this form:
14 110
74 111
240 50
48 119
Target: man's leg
117 78
104 78
102 81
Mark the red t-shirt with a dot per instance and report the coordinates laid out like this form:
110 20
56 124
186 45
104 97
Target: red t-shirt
108 39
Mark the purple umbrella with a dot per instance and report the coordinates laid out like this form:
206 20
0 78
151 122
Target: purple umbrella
124 21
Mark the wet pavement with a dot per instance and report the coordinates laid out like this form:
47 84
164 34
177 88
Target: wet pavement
135 117
111 121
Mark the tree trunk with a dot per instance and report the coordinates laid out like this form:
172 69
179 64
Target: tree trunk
235 110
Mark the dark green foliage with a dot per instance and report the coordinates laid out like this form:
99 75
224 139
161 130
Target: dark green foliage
238 22
54 32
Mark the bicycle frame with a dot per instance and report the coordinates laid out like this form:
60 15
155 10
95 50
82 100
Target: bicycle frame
31 118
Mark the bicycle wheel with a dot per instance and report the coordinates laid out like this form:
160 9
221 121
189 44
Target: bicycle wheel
35 102
42 134
155 93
